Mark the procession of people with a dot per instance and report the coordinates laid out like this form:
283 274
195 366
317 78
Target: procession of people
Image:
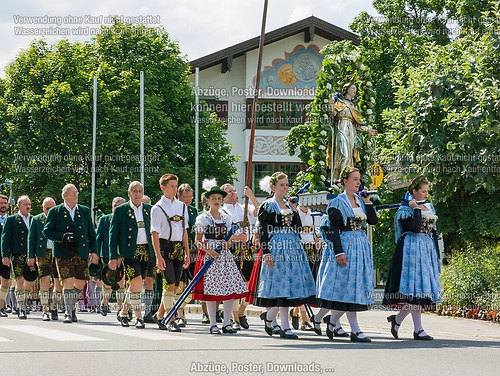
141 250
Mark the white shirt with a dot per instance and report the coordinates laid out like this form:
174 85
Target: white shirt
142 237
237 213
26 220
307 220
160 223
71 211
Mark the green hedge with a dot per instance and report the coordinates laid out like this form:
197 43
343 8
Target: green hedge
471 283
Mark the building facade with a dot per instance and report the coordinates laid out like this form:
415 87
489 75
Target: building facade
290 62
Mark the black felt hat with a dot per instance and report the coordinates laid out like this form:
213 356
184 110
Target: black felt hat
30 273
112 277
95 269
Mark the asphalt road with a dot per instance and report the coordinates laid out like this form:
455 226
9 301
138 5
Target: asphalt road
98 345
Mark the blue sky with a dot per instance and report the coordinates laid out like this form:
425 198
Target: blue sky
200 26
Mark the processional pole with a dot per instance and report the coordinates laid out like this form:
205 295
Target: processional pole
248 179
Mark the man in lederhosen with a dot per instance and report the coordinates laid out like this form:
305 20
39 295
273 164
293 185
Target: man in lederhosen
41 248
70 226
185 195
130 239
169 224
15 250
102 239
4 270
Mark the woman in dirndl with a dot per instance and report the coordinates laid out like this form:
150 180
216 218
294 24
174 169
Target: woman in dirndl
222 281
413 280
345 277
285 278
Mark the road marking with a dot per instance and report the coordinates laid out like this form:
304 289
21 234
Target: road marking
5 340
152 335
56 335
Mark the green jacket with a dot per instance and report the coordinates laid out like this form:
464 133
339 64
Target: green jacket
123 231
102 236
59 222
15 236
37 242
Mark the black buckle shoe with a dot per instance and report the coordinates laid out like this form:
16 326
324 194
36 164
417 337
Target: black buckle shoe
316 330
355 337
392 319
73 316
22 315
149 318
269 329
104 310
67 319
243 322
45 316
418 337
173 327
3 312
124 321
139 324
54 316
158 321
214 330
228 329
337 334
276 329
290 335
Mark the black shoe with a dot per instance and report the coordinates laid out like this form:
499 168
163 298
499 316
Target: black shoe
205 319
418 337
73 316
173 327
219 316
8 309
214 330
306 327
124 321
290 335
243 322
269 329
149 318
158 321
104 309
130 315
67 319
316 330
181 322
3 312
329 332
45 316
392 320
236 326
22 315
295 320
54 316
139 324
337 334
277 329
355 338
228 329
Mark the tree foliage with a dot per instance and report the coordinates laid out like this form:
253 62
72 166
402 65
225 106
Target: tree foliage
48 126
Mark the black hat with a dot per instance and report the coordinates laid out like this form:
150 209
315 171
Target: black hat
215 190
95 269
112 277
30 273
